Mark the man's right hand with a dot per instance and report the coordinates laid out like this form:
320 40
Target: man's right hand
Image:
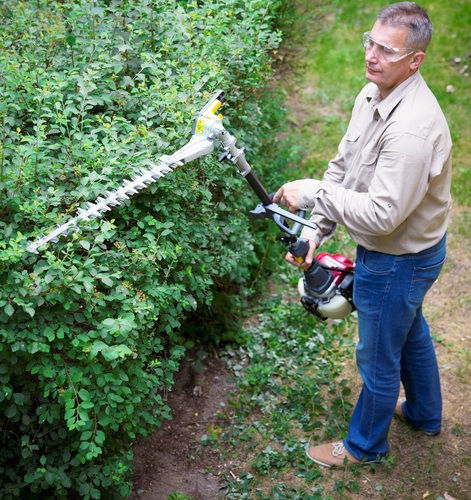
307 259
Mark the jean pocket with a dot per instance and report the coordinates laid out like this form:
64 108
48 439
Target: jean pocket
422 280
378 263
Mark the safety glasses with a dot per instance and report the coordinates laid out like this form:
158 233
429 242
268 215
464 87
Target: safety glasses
383 51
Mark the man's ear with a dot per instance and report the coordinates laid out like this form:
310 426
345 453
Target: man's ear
417 60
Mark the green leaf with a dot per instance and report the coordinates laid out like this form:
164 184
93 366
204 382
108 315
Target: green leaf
85 244
94 493
84 394
49 371
100 437
83 415
69 414
87 405
105 420
9 310
106 280
20 398
49 333
97 347
86 435
30 311
11 411
110 353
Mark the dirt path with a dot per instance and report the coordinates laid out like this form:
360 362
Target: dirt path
174 458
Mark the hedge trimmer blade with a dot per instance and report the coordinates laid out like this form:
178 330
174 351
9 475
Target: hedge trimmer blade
109 200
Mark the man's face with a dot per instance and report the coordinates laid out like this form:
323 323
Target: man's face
388 74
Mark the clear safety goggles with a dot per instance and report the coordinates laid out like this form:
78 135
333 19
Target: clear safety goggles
383 51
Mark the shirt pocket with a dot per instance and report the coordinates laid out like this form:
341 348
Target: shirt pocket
367 166
369 154
352 146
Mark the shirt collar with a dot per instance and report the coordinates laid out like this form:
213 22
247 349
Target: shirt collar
385 107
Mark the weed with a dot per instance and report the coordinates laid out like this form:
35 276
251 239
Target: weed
463 370
458 430
178 496
442 341
288 371
341 486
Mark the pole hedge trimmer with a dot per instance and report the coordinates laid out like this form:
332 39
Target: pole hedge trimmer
326 289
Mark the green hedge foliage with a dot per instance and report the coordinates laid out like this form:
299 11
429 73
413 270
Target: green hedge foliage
90 90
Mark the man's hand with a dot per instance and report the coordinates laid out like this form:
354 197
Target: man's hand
288 194
307 259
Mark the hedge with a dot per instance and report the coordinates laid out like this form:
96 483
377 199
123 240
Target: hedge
89 327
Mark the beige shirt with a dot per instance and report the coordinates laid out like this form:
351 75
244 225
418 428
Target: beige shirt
389 184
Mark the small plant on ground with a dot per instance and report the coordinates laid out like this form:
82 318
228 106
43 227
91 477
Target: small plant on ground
291 393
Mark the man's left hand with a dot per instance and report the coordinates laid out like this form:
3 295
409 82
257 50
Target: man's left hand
288 195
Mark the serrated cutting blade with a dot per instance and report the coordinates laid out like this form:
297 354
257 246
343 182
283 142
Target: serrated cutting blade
110 200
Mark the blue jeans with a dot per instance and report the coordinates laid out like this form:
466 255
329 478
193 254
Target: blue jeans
394 346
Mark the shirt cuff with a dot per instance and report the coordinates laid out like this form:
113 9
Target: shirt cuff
307 194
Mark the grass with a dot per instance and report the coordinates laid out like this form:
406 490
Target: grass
295 376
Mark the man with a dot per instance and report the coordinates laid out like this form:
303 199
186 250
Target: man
389 185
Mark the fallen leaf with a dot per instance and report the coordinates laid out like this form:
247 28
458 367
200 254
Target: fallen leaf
448 497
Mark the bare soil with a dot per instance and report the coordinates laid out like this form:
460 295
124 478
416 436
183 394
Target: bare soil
173 459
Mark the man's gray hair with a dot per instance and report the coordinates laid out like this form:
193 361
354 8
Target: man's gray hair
411 16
